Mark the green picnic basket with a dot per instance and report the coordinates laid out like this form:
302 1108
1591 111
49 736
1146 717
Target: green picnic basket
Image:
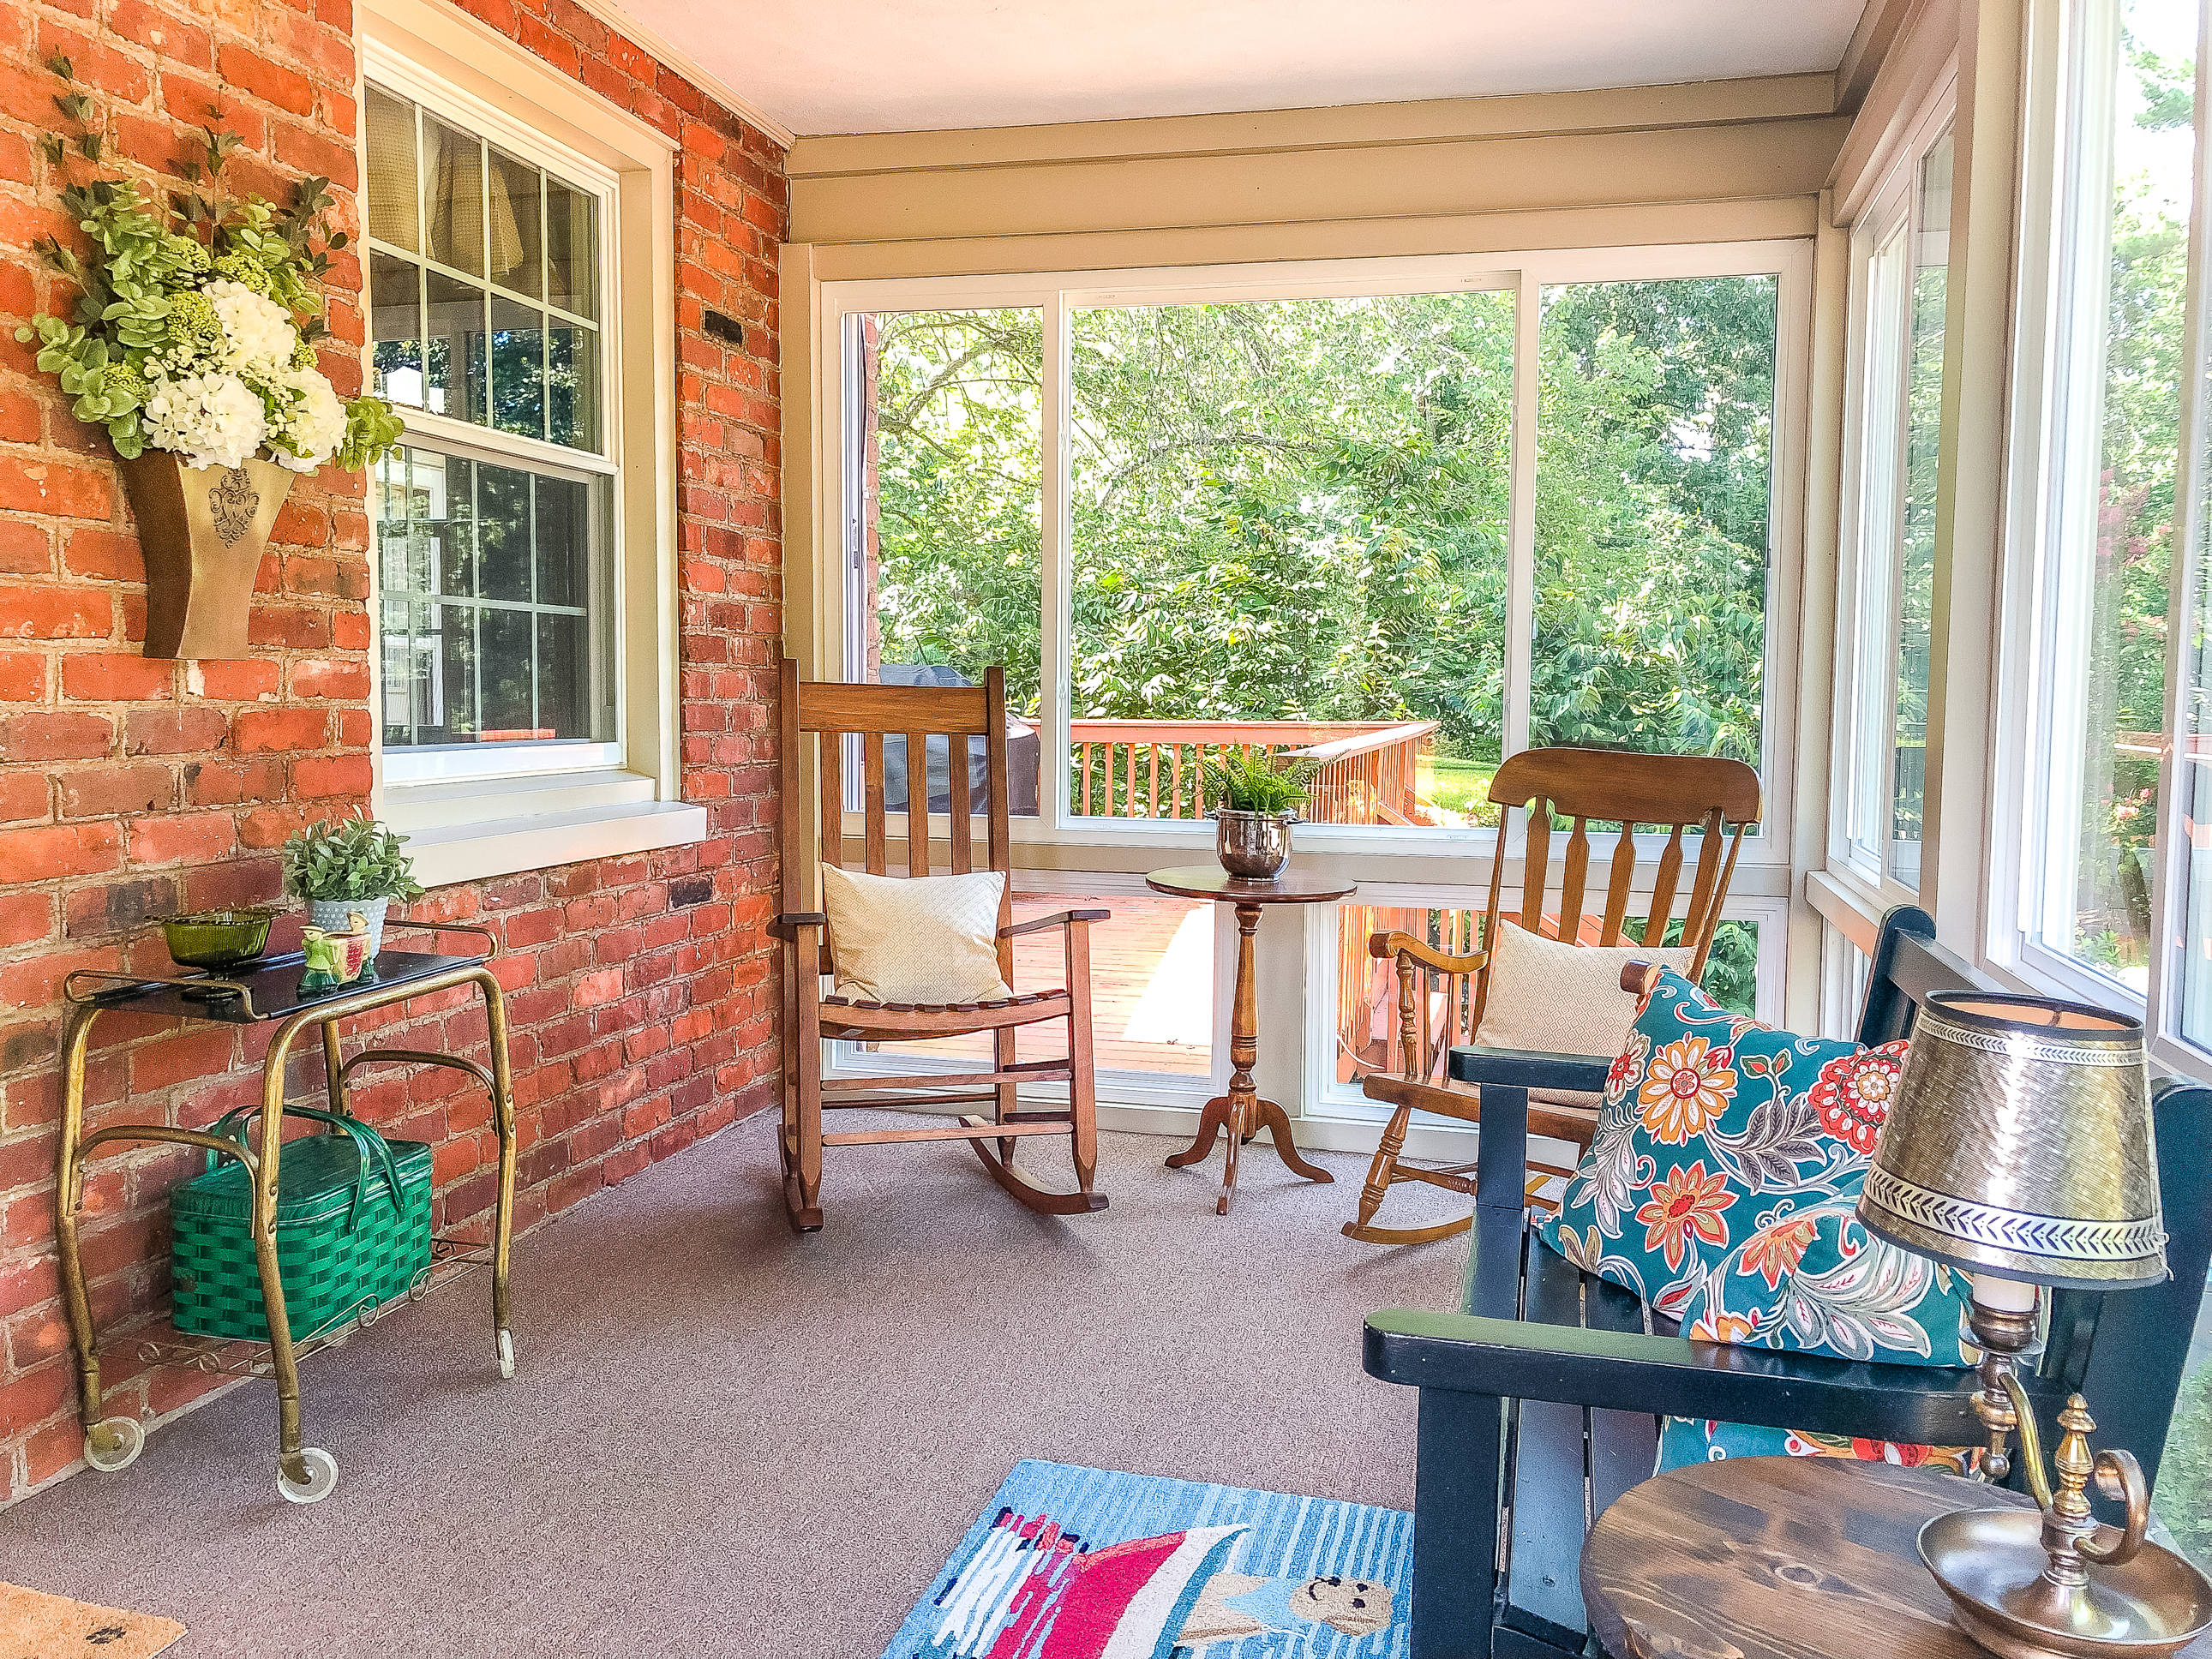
353 1230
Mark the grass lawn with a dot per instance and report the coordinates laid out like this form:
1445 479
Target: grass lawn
1462 786
2184 1474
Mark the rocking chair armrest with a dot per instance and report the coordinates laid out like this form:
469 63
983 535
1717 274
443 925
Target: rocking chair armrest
1384 946
1672 1376
1062 918
1528 1068
792 922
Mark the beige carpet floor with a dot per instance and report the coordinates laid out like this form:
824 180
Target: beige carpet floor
724 1440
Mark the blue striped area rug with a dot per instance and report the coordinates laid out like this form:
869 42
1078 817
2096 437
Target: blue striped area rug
1070 1563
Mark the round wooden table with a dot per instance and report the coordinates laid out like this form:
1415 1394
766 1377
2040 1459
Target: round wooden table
1241 1111
1780 1558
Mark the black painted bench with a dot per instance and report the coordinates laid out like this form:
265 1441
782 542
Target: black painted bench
1540 1398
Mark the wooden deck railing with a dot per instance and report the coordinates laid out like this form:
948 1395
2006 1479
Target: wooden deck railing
1370 769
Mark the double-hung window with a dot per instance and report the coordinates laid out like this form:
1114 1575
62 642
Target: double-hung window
1900 271
521 321
494 518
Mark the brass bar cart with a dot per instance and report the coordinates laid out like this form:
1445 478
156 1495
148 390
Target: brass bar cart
261 992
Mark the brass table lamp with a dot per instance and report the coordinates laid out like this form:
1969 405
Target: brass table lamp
2018 1148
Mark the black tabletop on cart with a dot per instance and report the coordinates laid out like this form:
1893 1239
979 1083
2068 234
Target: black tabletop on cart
273 984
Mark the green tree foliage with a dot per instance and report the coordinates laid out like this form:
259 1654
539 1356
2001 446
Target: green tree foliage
1298 509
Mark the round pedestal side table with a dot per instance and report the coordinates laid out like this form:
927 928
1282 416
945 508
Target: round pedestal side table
1780 1558
1242 1112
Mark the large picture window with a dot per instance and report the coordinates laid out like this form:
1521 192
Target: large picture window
1395 529
494 519
2095 598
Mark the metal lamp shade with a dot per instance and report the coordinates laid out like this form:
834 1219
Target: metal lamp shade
2018 1144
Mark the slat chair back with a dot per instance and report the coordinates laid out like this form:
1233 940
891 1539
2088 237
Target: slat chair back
819 717
1716 799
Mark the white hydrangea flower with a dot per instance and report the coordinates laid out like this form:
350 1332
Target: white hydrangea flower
211 420
313 424
258 334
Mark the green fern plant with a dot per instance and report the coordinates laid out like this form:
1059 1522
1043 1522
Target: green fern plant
1255 781
353 858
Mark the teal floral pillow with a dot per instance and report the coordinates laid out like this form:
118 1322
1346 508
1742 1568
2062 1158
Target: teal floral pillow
1720 1187
1684 1440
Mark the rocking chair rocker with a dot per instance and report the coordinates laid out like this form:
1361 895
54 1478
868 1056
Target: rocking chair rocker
960 715
1442 995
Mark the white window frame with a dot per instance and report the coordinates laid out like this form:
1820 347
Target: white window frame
1871 543
2057 391
469 815
1135 844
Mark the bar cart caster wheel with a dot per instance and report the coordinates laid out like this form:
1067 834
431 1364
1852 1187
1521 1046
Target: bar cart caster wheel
114 1443
505 1353
321 1470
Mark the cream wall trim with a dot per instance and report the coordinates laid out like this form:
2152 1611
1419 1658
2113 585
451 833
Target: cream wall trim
1772 219
503 846
479 59
1362 125
684 63
1816 646
809 634
1447 177
1845 909
1871 42
1922 59
1970 484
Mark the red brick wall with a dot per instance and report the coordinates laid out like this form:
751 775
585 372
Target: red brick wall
638 989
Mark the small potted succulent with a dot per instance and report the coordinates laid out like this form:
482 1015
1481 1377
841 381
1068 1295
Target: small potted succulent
352 867
1256 796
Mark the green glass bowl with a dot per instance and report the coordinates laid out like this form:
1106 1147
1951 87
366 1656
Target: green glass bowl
216 939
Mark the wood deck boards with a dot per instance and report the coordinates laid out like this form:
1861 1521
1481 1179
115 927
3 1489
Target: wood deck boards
1129 956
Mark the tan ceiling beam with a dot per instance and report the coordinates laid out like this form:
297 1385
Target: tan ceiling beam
1881 26
1361 126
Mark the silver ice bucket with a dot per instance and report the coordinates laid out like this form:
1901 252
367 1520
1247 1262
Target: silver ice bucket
1254 845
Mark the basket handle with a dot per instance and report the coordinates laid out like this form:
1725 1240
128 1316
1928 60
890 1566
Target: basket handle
231 1125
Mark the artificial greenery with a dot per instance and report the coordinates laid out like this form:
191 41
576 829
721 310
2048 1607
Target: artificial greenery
352 858
141 319
1251 781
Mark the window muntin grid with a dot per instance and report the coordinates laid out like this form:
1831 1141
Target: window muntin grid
483 280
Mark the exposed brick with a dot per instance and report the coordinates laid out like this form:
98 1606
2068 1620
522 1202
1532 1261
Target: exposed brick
280 731
119 907
172 732
317 777
106 678
80 850
24 794
251 72
56 737
22 677
39 486
619 1059
252 680
54 613
93 791
199 839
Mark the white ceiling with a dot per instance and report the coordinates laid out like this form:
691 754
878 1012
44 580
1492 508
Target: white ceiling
833 66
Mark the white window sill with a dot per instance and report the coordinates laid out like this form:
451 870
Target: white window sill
460 832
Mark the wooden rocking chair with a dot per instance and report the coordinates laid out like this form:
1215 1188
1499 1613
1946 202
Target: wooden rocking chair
1442 994
828 713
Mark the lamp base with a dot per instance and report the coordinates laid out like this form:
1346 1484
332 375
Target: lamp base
1991 1564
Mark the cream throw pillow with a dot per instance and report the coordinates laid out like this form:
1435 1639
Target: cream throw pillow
923 938
1562 999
